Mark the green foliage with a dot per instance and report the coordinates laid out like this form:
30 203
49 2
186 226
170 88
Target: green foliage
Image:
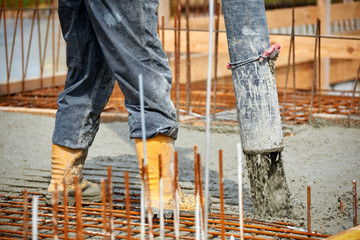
26 3
272 4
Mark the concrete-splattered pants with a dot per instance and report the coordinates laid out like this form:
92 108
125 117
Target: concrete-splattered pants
108 41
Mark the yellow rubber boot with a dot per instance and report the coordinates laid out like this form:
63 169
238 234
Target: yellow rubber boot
164 146
66 163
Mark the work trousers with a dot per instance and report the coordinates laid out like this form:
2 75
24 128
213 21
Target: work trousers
109 41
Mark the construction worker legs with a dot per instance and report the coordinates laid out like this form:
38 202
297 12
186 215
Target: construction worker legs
129 41
107 41
88 86
89 81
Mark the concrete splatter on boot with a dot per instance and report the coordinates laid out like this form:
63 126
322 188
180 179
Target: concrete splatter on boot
164 146
66 163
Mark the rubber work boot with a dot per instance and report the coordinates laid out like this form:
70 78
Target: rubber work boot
165 146
66 163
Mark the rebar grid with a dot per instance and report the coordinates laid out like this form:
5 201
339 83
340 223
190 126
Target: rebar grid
15 221
332 102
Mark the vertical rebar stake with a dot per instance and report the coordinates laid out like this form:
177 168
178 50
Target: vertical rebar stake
217 20
176 70
34 217
55 201
178 58
66 216
143 133
353 96
103 205
201 197
26 217
293 61
58 48
161 191
197 195
111 203
208 120
188 61
78 204
241 212
221 190
22 47
319 61
176 197
127 202
314 74
341 208
6 54
163 31
355 202
30 41
309 208
149 210
287 73
13 40
53 42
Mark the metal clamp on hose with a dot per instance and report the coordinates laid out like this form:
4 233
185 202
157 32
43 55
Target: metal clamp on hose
271 54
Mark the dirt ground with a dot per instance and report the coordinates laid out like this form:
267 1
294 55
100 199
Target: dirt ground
325 157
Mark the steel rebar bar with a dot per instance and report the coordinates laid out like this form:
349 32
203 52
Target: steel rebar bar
309 208
55 201
355 203
25 209
208 120
127 204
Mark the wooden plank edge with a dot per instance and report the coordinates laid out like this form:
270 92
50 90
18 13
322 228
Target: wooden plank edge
105 116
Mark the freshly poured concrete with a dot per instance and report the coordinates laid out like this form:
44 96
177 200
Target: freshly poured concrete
325 157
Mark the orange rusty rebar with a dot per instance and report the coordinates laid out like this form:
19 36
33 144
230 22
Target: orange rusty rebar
188 61
103 201
111 202
161 192
21 4
200 186
39 40
341 208
319 61
45 47
53 42
315 71
196 179
355 203
184 221
58 48
127 204
6 54
293 61
65 211
78 204
221 190
55 201
176 197
353 96
176 70
292 39
163 32
30 41
25 209
309 208
149 210
217 20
